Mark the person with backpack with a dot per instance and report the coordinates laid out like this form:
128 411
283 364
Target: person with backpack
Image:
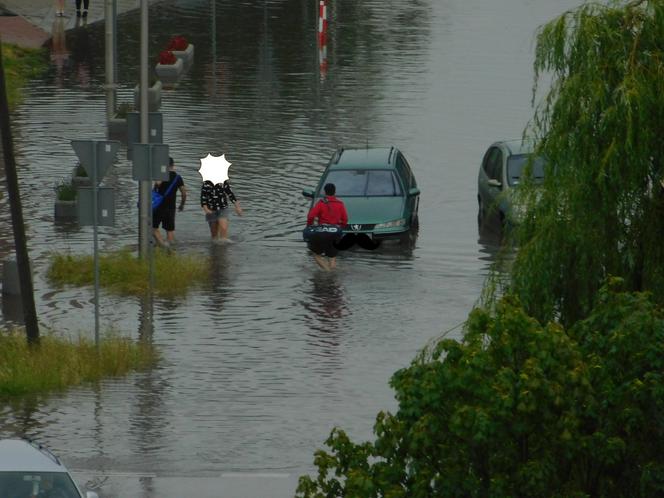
332 218
163 205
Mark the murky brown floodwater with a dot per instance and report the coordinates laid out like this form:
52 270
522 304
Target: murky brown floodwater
260 365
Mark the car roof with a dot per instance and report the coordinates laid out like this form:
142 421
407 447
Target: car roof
19 455
366 158
517 146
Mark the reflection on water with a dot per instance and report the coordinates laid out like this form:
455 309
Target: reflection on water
258 365
328 311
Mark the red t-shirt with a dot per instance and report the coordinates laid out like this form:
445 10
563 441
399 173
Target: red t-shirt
330 211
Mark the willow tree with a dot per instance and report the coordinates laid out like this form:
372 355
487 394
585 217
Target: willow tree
600 127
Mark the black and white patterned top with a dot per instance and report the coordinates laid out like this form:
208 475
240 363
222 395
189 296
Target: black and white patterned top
216 197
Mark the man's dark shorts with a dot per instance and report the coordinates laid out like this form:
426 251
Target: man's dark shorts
323 243
164 217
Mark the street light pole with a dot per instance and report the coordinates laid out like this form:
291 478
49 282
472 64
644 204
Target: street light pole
110 59
144 194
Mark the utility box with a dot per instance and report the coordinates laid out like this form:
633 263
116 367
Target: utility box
105 206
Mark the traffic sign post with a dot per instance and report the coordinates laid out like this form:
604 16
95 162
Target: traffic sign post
105 206
146 128
155 130
96 156
150 162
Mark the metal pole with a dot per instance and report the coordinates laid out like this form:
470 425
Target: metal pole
144 195
22 257
110 56
95 209
115 41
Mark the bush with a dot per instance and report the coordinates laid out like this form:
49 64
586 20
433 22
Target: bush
122 110
65 190
519 409
80 170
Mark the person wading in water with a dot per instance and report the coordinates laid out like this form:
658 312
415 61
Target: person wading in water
332 217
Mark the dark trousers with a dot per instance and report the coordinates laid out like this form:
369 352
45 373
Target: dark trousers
85 4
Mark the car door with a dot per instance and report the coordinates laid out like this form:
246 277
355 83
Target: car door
406 175
494 176
489 177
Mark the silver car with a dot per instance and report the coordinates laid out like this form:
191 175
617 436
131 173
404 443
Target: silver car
500 172
29 470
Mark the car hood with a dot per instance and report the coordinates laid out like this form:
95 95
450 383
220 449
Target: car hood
372 210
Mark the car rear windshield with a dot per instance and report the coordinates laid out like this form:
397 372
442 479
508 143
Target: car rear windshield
358 182
46 484
516 165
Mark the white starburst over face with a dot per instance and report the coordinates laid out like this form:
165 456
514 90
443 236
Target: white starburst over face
214 168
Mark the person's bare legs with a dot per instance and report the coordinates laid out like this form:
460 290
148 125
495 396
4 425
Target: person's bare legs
223 229
332 262
214 229
170 236
157 236
320 260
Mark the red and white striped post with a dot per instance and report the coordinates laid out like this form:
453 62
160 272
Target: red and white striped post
322 22
322 38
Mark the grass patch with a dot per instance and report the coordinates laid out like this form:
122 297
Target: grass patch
21 64
58 363
123 273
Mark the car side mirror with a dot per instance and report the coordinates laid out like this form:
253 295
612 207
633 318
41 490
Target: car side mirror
494 183
414 191
307 192
91 494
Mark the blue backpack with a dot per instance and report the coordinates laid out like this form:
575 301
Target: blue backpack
158 198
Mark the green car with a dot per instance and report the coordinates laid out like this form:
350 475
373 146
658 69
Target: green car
379 190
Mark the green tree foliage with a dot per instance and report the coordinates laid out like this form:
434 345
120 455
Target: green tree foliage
518 409
601 209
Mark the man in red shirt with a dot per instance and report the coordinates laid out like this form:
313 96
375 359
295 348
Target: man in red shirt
332 217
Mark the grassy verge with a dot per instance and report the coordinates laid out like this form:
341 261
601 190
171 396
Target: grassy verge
20 65
58 363
122 272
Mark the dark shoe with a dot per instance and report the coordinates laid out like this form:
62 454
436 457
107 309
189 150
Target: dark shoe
78 13
85 13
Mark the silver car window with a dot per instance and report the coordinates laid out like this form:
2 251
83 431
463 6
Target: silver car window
347 182
42 484
516 165
372 183
382 183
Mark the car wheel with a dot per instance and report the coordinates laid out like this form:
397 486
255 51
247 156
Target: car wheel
346 242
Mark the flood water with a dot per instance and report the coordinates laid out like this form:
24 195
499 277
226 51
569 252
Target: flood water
260 364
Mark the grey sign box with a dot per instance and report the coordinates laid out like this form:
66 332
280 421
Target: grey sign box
105 155
150 162
155 130
105 206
